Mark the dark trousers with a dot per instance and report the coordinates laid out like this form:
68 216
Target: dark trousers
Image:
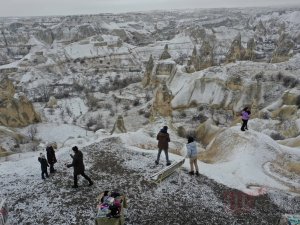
166 154
52 170
45 172
82 174
244 125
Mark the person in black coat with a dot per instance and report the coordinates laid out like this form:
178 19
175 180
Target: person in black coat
51 158
78 166
44 165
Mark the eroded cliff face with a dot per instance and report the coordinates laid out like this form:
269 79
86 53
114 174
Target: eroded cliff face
15 112
284 49
162 101
270 90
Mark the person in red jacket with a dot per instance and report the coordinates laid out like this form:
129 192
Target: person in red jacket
163 144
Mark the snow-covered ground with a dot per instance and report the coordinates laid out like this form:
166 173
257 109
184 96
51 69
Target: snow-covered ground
88 70
124 162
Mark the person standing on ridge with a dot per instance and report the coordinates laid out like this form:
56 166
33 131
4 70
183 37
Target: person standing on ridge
192 155
44 164
163 144
51 158
245 117
78 166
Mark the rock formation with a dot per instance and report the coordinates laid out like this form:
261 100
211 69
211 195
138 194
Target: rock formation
162 101
52 103
250 51
236 51
165 54
193 63
147 74
284 49
15 112
206 56
260 29
119 126
207 131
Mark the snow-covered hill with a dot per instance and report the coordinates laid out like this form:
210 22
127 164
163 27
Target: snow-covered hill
109 82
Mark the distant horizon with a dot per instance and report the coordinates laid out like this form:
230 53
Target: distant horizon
36 8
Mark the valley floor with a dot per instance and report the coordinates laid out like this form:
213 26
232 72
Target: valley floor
180 199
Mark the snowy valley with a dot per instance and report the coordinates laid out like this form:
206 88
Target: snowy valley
108 83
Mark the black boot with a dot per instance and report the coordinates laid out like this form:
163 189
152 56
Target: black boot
197 173
191 173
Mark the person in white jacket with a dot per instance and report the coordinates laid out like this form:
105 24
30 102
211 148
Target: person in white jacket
192 155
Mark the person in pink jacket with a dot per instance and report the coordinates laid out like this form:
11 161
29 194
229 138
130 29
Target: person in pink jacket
245 117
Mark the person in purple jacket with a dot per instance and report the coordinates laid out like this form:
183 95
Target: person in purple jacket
245 117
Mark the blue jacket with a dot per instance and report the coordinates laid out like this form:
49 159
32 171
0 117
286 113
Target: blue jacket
191 150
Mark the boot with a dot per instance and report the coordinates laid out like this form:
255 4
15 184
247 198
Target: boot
91 183
75 186
191 173
168 163
197 173
156 162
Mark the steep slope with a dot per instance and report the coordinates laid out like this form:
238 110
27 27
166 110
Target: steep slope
238 159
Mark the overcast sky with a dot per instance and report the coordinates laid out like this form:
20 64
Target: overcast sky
70 7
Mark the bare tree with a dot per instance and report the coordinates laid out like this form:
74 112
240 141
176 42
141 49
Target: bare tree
32 131
45 92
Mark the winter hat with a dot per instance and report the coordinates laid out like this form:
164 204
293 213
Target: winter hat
190 139
165 128
75 149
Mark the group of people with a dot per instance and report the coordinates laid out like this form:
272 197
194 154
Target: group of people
50 161
77 164
163 138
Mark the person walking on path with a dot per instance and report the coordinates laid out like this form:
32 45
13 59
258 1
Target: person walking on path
245 117
44 165
51 158
163 144
192 155
78 167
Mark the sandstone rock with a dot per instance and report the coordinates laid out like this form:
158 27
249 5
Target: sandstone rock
260 29
284 49
147 74
121 33
291 142
162 71
15 112
52 103
194 62
236 51
207 131
250 51
164 68
285 112
38 58
165 54
291 97
162 101
7 90
206 55
45 36
119 126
